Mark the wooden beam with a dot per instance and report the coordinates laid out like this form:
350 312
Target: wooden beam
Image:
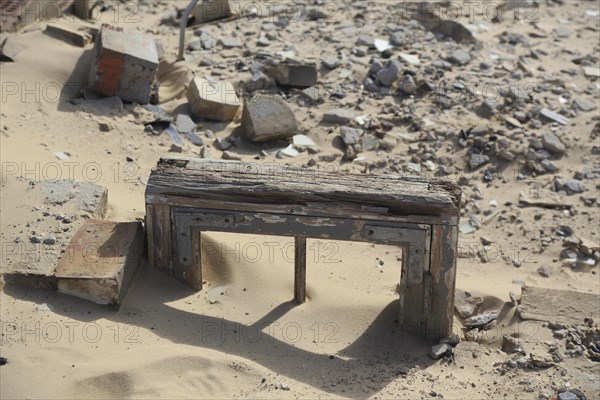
219 180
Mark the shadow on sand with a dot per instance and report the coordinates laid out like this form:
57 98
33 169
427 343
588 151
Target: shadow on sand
379 355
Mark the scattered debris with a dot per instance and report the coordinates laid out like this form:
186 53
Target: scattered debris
268 117
80 39
295 75
481 319
124 65
213 100
101 260
215 294
558 306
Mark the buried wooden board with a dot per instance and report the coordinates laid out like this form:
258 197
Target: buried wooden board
558 306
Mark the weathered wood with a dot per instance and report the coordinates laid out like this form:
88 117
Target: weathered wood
187 196
300 270
274 184
159 237
444 241
335 209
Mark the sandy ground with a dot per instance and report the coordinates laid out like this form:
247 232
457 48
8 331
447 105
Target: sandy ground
168 341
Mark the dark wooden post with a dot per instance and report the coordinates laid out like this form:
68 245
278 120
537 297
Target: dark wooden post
443 280
300 270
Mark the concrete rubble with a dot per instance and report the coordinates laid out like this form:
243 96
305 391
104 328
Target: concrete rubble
507 109
124 65
268 117
213 100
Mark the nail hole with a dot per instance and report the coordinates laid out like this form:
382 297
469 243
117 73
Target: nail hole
371 232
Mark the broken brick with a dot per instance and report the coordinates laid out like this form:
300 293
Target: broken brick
124 65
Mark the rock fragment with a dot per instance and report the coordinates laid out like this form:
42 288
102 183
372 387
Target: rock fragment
267 117
460 57
213 100
439 350
339 116
295 75
553 144
552 116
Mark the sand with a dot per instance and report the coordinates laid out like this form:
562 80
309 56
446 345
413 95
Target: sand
254 342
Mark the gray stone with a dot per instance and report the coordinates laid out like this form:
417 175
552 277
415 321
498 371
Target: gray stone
339 116
442 64
371 86
544 271
184 123
195 45
567 395
268 117
591 72
369 143
541 361
439 350
506 155
573 186
553 144
480 130
350 136
562 32
408 85
194 139
548 166
222 143
460 57
35 239
331 63
388 143
478 160
105 127
312 94
487 108
389 73
230 43
481 319
551 115
208 41
49 241
294 75
397 38
365 40
584 105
